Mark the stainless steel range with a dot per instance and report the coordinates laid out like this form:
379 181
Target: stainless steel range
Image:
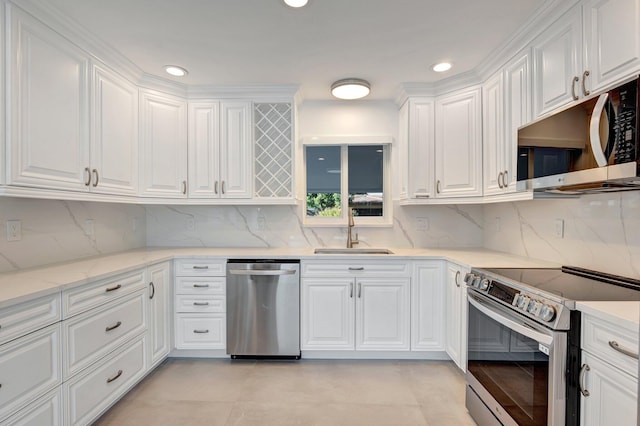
523 341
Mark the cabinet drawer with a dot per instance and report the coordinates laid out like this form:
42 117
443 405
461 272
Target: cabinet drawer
29 368
200 285
200 303
46 411
197 331
81 299
599 337
88 395
200 267
90 336
19 320
378 269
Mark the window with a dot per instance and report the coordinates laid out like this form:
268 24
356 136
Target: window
346 176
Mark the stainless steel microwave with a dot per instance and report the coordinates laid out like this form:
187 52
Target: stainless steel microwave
588 147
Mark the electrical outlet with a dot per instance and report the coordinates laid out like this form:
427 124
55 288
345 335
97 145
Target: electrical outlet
191 224
559 228
422 224
14 230
262 223
90 227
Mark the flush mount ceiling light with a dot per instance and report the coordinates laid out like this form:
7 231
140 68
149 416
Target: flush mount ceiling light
350 88
296 3
442 67
175 70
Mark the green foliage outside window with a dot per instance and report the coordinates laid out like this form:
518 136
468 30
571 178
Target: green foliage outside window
325 205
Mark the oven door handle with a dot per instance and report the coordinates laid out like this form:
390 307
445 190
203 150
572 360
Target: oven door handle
513 325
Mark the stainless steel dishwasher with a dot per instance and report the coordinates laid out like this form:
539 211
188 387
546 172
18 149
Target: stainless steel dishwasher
263 308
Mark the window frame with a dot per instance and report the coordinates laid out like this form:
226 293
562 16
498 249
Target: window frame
344 142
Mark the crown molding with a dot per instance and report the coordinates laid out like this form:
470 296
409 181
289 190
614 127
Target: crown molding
442 87
152 82
245 91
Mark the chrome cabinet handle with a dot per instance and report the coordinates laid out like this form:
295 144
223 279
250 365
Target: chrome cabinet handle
505 181
118 374
222 186
359 290
351 290
200 303
184 186
437 187
500 184
201 331
200 267
201 285
583 371
97 176
215 187
616 346
153 290
114 288
584 84
457 278
113 327
87 174
573 88
360 268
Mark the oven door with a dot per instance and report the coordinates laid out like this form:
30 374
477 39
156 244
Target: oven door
516 367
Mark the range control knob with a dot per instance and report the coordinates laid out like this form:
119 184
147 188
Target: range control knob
469 277
534 305
484 284
547 313
523 302
476 281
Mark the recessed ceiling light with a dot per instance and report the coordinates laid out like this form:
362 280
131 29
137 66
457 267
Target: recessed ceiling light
320 158
350 88
175 70
442 67
296 3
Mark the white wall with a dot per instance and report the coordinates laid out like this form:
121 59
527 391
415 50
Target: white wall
601 232
54 231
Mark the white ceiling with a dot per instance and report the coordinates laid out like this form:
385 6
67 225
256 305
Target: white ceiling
236 42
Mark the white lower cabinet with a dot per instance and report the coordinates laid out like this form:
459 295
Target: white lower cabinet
200 304
609 379
30 367
46 411
355 313
427 301
456 314
90 393
159 313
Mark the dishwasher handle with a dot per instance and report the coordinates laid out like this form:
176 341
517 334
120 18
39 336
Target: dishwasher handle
263 272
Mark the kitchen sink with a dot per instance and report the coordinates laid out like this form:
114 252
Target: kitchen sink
352 251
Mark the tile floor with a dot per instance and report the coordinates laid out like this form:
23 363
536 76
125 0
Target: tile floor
188 392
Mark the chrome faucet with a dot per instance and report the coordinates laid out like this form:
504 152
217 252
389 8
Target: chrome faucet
350 241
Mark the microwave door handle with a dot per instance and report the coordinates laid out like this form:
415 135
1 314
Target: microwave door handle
594 130
513 325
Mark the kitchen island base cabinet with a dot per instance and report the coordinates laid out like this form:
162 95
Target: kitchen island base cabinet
46 411
91 393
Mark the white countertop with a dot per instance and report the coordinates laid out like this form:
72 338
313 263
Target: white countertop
28 284
625 314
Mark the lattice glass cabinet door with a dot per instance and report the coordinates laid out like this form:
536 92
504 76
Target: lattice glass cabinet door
273 150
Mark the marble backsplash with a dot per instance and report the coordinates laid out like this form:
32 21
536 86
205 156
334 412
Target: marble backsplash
58 231
601 232
281 226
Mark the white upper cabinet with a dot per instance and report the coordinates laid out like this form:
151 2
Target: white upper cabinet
611 40
557 62
163 139
458 146
417 148
220 154
114 138
590 47
48 107
493 142
517 113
